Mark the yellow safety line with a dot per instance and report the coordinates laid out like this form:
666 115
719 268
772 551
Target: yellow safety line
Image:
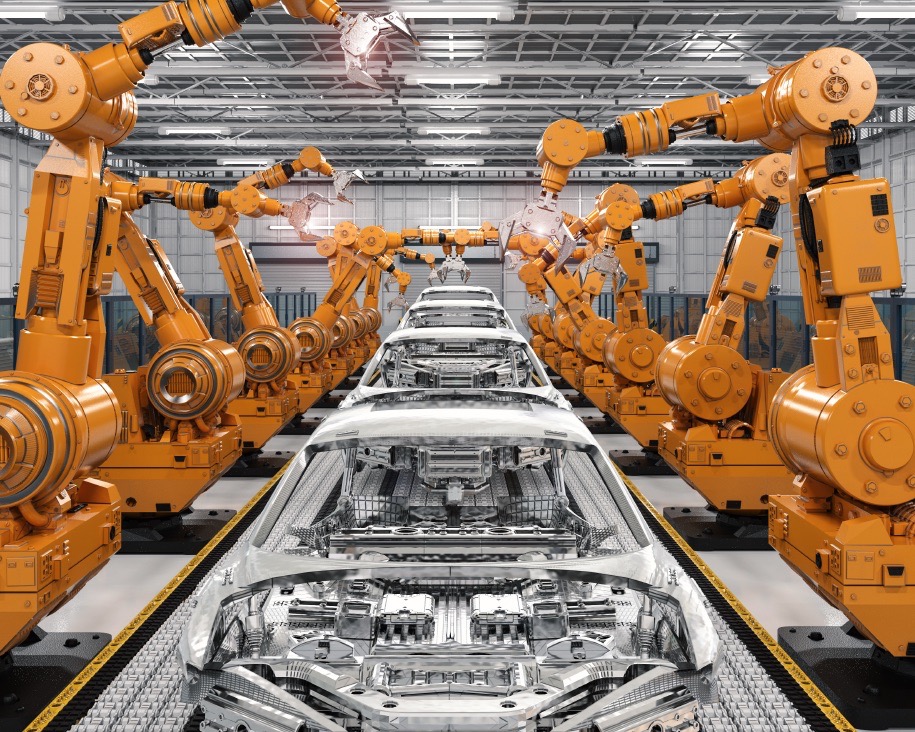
55 707
811 689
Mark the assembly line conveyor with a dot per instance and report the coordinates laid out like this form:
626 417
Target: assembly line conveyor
133 685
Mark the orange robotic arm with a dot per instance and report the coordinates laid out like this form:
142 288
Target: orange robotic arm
213 369
402 279
269 351
744 273
355 252
799 99
590 331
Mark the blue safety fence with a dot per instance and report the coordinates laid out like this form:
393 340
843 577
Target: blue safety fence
129 343
779 321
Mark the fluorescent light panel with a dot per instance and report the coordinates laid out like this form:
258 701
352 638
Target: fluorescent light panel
462 11
252 162
454 130
849 13
51 13
446 78
663 160
286 227
192 130
454 161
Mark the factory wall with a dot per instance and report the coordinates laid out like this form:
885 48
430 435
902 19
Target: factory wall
893 157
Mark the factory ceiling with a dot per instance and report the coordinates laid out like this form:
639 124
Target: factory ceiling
472 99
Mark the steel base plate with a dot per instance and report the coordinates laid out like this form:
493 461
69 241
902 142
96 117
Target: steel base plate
330 400
706 529
186 533
602 425
301 426
849 670
640 462
261 464
35 672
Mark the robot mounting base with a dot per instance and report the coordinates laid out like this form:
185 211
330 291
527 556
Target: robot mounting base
872 689
706 529
184 533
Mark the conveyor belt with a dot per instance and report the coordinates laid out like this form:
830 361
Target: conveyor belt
133 684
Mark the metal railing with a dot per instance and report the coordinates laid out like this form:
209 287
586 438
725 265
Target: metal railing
128 341
779 321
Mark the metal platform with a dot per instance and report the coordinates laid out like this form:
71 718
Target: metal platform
706 529
858 676
187 532
134 683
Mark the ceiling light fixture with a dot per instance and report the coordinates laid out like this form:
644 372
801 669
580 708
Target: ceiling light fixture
51 13
249 162
454 130
455 11
663 160
850 13
287 227
454 161
756 79
469 77
190 130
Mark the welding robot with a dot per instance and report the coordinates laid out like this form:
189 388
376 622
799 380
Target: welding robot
843 425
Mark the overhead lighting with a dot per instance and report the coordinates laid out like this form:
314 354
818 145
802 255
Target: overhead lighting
149 80
756 79
254 162
849 13
663 160
453 45
190 130
287 227
51 13
441 142
462 11
469 77
454 130
454 161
